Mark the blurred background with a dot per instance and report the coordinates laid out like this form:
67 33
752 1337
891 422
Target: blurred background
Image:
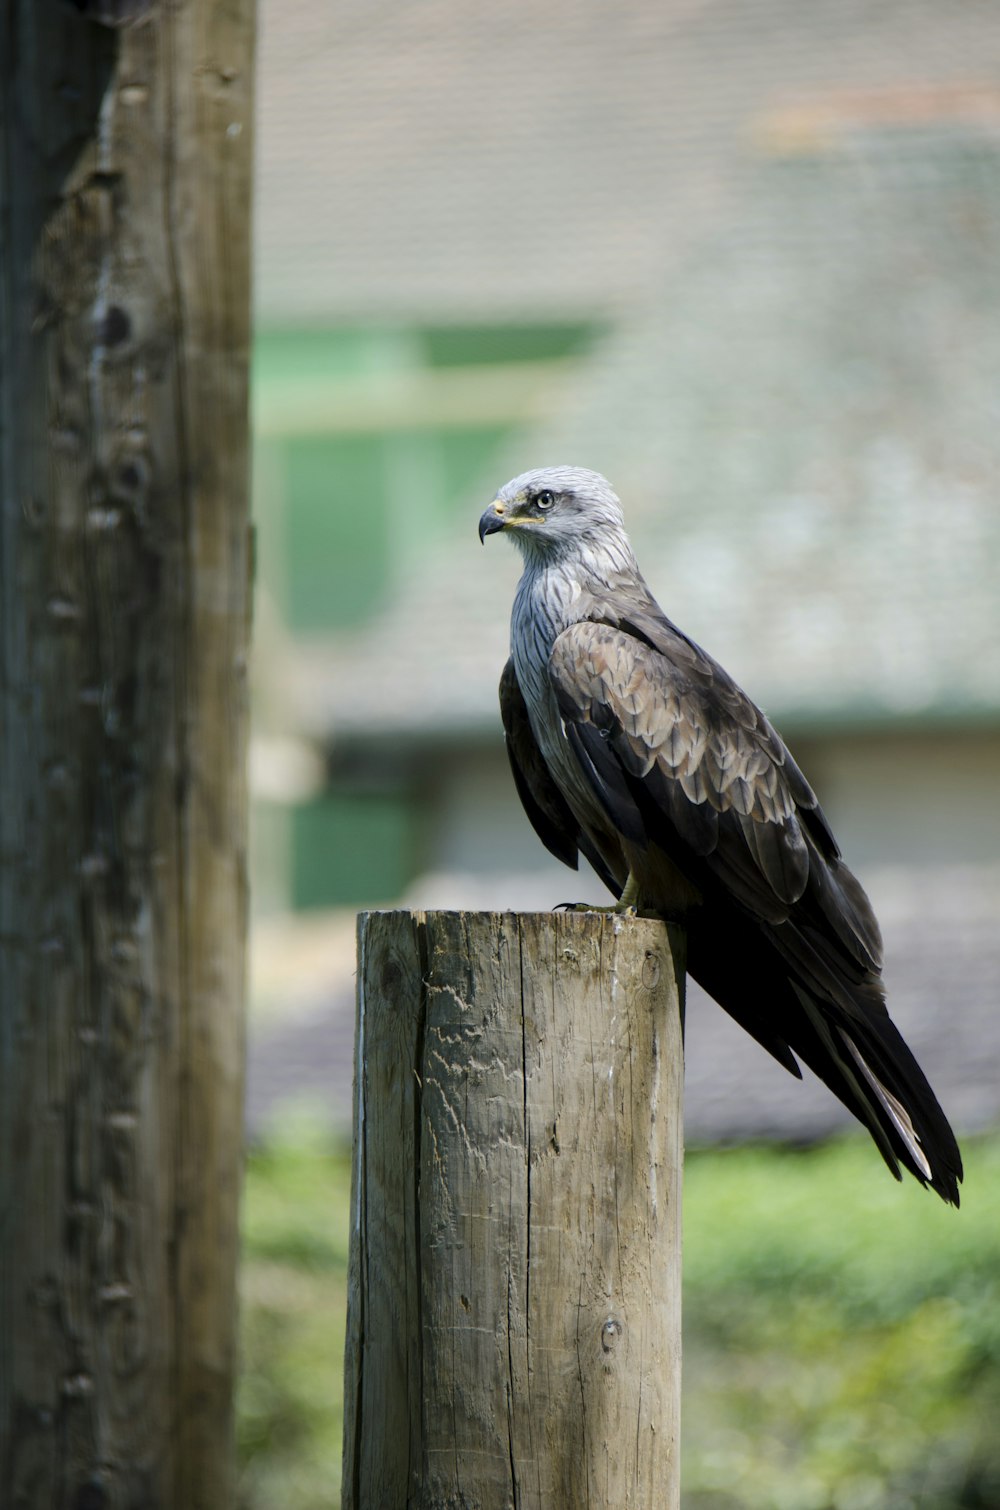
743 256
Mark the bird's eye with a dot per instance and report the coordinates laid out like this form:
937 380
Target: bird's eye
545 499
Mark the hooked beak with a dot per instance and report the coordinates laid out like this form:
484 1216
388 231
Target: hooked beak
493 519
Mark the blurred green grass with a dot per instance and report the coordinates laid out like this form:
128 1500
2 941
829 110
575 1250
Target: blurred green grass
841 1333
289 1409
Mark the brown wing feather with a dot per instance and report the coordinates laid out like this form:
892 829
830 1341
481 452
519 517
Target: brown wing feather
708 761
541 798
545 805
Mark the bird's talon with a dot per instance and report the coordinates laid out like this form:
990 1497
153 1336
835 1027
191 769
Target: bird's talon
581 907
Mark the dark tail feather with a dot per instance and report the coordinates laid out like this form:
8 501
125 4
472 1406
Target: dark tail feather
870 1069
857 1052
926 1143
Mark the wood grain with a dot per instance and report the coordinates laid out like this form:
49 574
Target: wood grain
125 563
514 1291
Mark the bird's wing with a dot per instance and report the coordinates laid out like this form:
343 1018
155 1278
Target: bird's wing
541 798
679 755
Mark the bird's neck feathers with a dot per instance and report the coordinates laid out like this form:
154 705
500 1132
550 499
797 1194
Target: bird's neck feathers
596 559
559 588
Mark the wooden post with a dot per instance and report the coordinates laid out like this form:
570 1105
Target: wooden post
125 162
514 1293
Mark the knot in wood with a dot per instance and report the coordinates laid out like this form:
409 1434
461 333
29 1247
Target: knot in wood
650 970
90 1496
113 326
391 975
34 510
611 1333
130 473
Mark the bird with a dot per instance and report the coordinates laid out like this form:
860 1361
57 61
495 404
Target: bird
630 745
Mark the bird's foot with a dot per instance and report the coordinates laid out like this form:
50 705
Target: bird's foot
627 905
587 907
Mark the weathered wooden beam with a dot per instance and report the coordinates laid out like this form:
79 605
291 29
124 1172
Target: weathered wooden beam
514 1292
125 163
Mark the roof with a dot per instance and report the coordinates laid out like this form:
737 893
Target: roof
804 428
440 160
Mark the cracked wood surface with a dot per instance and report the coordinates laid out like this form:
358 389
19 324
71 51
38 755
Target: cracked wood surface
514 1290
125 160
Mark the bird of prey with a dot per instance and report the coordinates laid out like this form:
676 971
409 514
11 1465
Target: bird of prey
631 745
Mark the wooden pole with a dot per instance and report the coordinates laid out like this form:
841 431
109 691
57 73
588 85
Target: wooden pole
125 162
514 1293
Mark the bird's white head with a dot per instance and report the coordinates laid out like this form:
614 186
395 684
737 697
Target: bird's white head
553 512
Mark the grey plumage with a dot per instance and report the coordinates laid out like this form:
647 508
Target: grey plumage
629 744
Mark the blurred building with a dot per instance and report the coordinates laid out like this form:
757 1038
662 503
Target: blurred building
742 258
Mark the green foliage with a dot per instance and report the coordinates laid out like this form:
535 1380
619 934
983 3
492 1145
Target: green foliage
842 1334
294 1300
